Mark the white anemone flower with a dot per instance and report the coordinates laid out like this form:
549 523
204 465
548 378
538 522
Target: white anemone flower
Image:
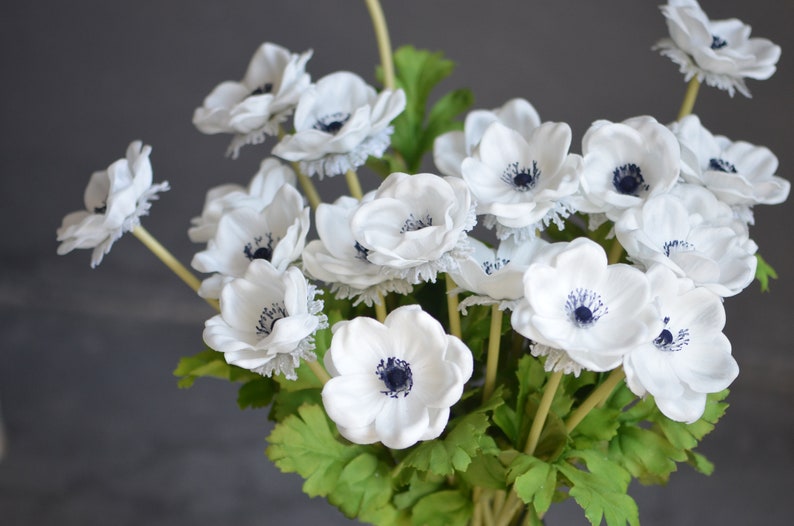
523 184
415 225
738 173
626 163
451 148
339 122
394 382
277 234
115 199
338 259
256 105
272 175
268 320
694 235
717 52
495 276
690 357
577 304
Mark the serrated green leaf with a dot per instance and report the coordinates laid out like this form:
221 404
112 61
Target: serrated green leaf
211 364
419 486
486 471
363 490
444 508
601 490
764 272
600 424
256 393
506 419
534 481
286 403
646 454
700 463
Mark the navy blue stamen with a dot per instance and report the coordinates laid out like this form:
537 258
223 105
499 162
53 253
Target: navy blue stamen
627 179
261 252
677 245
521 178
584 307
489 267
412 223
263 89
270 315
717 42
332 123
396 376
668 342
361 252
721 165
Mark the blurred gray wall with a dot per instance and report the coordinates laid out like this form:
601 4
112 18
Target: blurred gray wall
98 432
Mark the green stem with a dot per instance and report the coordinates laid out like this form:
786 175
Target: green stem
318 371
452 309
543 411
170 261
494 340
384 43
615 252
689 98
380 308
353 184
308 187
596 397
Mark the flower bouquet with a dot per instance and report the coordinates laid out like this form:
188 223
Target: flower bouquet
471 344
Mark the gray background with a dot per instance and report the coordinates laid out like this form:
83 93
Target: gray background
98 432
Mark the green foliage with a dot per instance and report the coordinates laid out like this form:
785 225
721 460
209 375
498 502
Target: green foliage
418 72
256 393
443 508
209 364
764 272
535 481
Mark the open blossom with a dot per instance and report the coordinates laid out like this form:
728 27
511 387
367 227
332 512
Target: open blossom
115 199
718 52
277 234
338 259
738 173
451 148
693 234
523 184
575 303
415 225
339 122
625 163
272 175
394 382
267 322
690 357
255 106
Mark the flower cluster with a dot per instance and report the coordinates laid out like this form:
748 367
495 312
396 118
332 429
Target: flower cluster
616 259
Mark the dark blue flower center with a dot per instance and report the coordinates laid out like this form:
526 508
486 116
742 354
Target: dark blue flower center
677 245
584 307
721 165
101 209
361 252
396 376
331 123
263 89
412 223
489 267
669 342
717 42
628 180
257 250
270 315
521 178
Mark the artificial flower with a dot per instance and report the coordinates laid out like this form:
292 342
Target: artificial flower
693 234
523 184
576 303
341 261
451 148
718 52
626 163
115 199
277 234
415 225
394 382
256 105
267 322
339 122
738 173
690 357
272 175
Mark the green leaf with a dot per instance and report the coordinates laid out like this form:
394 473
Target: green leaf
444 508
286 403
209 363
534 481
764 272
256 393
418 487
700 463
486 471
647 455
601 490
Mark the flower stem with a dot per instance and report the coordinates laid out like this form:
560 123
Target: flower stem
170 261
308 187
596 397
353 184
318 371
452 309
615 252
689 98
380 308
384 43
494 340
543 411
